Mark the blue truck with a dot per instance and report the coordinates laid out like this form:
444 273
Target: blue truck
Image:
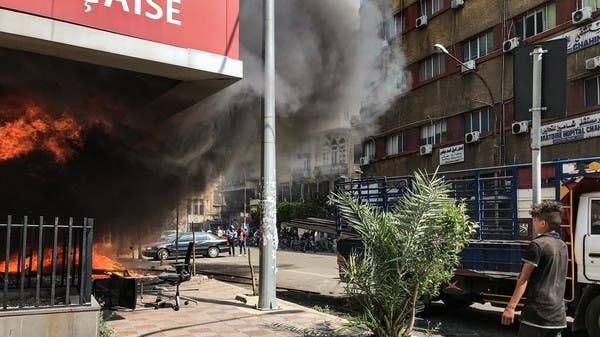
499 199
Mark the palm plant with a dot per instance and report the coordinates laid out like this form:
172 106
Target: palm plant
409 252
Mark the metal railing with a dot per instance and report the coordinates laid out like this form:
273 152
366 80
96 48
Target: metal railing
47 262
490 193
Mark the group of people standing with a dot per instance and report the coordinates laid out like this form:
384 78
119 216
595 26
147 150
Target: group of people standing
237 236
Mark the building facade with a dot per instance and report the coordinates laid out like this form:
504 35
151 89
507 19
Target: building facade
204 207
308 171
458 118
316 164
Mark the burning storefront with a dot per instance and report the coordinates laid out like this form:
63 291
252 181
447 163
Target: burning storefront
86 94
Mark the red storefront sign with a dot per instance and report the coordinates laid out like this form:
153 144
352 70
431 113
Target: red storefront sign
207 25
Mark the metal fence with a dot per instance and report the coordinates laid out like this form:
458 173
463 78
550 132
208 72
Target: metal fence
47 262
490 194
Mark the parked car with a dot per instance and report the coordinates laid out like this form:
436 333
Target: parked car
207 244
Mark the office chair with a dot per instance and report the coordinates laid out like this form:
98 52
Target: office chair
182 274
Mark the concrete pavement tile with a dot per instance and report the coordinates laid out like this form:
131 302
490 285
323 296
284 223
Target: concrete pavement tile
119 325
145 327
200 330
257 332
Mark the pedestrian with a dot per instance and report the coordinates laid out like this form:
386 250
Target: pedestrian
543 275
243 238
220 232
231 234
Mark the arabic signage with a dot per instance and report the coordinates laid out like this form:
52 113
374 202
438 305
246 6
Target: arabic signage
571 130
582 37
207 25
452 154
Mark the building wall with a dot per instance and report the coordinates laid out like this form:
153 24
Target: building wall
210 199
451 94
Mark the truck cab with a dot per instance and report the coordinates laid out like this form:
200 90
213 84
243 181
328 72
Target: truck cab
587 239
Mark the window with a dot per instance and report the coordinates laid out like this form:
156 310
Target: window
479 46
591 92
185 238
394 144
595 216
326 157
201 237
196 207
430 7
593 4
536 21
342 156
305 162
480 120
393 26
431 67
434 133
369 150
334 153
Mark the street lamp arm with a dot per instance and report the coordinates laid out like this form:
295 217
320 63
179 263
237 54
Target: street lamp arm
457 60
443 49
491 104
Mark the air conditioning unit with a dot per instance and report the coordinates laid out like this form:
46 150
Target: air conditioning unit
455 4
472 137
520 127
364 161
593 63
510 44
426 149
422 21
581 15
468 66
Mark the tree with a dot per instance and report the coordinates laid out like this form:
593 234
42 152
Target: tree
409 252
287 211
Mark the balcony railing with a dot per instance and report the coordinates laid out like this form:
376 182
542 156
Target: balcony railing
335 169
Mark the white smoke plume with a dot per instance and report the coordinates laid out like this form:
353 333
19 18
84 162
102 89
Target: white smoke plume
329 63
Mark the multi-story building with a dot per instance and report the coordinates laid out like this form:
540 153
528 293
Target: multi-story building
316 164
237 190
205 207
308 170
453 117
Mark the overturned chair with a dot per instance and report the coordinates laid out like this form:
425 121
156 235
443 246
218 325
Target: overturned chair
182 274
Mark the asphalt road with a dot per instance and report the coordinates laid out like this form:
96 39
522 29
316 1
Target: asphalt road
310 272
318 274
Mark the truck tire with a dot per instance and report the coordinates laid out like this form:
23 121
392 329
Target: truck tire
592 317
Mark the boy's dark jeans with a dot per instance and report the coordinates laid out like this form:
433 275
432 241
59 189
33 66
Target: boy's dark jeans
531 331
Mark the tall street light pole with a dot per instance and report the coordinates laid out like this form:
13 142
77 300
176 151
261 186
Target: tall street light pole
536 121
267 299
440 48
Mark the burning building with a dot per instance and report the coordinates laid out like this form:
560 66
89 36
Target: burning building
87 96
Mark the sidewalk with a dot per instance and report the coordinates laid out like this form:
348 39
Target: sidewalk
218 314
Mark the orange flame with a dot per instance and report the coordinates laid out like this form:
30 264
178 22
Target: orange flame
31 261
38 129
103 262
99 261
